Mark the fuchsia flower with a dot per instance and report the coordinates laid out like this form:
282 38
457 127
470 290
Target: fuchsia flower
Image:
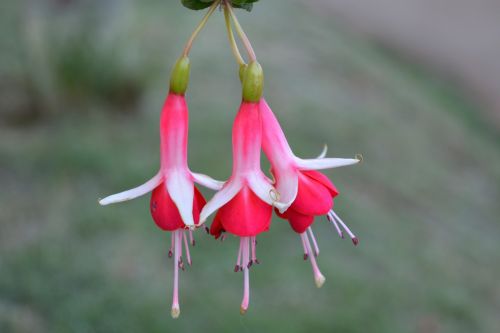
245 202
304 192
175 202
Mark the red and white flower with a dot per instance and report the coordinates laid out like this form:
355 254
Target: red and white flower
303 192
246 200
175 202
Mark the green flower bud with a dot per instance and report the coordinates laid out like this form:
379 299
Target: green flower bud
179 78
253 82
243 69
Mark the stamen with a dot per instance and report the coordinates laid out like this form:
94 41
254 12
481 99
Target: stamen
354 239
186 245
315 244
274 195
238 267
319 279
304 247
254 251
179 235
172 242
175 301
191 238
330 218
246 279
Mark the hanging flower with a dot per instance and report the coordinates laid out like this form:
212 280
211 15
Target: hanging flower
245 201
304 192
175 202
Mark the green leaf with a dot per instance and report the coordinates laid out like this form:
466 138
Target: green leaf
196 4
201 4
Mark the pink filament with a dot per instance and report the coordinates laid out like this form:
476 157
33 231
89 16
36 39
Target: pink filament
304 247
172 242
254 254
191 238
346 228
238 260
335 224
186 245
315 244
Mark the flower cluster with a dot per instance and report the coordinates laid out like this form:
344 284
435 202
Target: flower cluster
243 205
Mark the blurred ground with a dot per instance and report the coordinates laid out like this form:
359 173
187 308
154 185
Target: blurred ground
458 38
82 84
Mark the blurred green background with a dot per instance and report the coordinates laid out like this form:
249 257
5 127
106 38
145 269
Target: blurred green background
81 87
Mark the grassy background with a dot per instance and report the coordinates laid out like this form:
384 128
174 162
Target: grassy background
81 87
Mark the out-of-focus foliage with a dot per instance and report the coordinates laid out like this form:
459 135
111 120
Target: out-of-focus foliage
424 203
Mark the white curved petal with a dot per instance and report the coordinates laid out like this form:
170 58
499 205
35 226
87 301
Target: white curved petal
323 152
135 192
229 191
180 187
287 185
207 181
266 192
325 163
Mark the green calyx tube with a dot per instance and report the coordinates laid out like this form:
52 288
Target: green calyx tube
179 78
252 81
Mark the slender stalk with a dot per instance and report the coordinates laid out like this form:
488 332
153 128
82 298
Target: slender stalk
241 33
200 26
230 35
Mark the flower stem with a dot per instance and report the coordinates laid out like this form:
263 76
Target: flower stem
241 33
230 35
200 26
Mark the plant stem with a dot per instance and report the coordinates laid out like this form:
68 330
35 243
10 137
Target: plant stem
230 35
200 26
241 33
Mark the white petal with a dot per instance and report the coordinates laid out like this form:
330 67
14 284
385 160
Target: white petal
325 163
262 188
229 191
287 185
135 192
323 152
180 187
207 181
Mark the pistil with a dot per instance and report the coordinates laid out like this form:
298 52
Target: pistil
175 302
246 279
319 279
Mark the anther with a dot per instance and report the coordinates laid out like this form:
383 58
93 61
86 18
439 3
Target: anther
275 196
181 264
